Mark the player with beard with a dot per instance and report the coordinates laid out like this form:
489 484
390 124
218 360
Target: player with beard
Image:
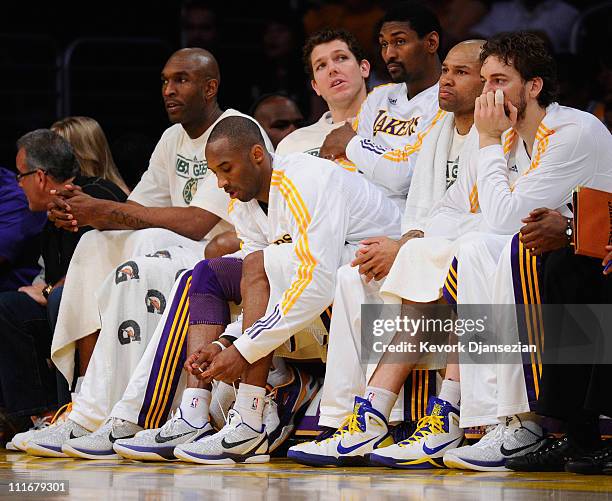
389 132
395 117
442 183
533 153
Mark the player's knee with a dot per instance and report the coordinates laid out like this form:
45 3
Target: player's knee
347 276
219 277
253 271
222 244
204 280
208 300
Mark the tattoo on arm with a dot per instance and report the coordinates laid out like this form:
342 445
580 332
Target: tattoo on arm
410 235
125 219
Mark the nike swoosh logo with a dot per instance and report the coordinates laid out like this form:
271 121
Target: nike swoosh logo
72 435
429 451
162 440
113 438
229 445
347 450
509 452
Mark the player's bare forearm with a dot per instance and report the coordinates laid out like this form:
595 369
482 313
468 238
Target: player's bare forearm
409 235
191 222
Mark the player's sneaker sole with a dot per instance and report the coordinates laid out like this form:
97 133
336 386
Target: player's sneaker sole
48 451
312 459
424 463
194 457
10 447
463 464
143 453
85 454
320 460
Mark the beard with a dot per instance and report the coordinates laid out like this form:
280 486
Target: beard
521 106
401 76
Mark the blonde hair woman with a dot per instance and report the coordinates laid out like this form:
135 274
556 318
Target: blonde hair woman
90 147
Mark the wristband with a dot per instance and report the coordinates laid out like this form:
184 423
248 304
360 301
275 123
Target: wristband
220 344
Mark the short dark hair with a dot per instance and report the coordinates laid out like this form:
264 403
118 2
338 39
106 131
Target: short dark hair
420 18
326 36
48 151
530 56
240 131
264 97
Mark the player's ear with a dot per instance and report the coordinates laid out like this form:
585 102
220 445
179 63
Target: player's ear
211 87
257 153
535 86
432 42
315 87
364 66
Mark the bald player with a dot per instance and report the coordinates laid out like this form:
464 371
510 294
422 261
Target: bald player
278 115
174 208
442 182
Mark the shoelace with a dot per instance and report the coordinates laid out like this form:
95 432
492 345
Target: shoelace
427 425
40 423
273 392
64 409
170 425
103 430
225 417
494 433
349 426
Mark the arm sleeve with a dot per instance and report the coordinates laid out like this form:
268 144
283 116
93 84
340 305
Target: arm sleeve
384 166
153 189
559 164
318 244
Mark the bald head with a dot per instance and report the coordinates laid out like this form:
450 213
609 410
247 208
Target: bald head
190 82
468 49
460 81
199 60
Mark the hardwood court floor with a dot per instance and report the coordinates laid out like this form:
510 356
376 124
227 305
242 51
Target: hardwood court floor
284 480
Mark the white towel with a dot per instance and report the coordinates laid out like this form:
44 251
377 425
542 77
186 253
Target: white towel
429 179
98 254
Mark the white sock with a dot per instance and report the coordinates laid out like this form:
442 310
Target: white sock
451 392
194 406
382 400
279 373
529 420
250 404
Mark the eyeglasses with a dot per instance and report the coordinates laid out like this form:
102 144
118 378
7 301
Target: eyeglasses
20 176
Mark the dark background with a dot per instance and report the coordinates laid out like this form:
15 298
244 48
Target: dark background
103 59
